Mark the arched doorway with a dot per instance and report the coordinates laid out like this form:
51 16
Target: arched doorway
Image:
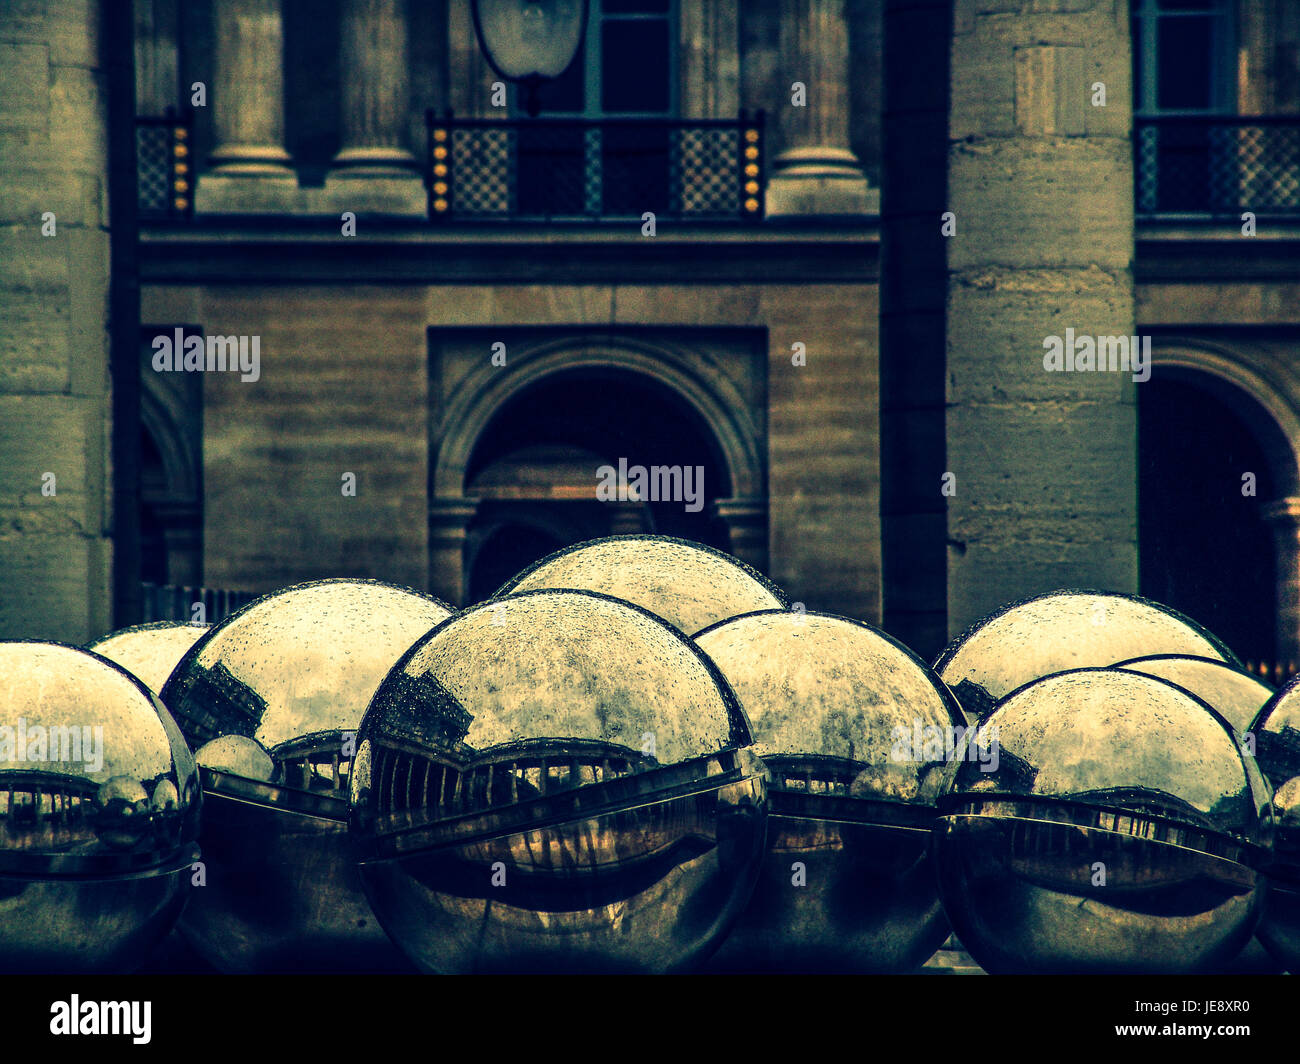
1212 463
543 467
524 454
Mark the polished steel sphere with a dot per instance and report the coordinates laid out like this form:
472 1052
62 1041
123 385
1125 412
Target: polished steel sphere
1122 831
1276 732
1062 630
855 731
149 652
1234 693
557 781
271 699
1238 697
99 813
687 584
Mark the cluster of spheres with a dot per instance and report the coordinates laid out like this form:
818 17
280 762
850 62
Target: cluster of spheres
640 756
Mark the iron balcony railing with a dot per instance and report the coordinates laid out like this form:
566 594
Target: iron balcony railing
1221 165
173 602
555 169
164 166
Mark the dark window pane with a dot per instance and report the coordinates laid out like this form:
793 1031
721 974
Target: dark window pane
1189 5
567 93
1186 63
637 7
634 75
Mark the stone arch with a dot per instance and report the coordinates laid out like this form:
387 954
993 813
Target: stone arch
691 378
695 378
163 418
1247 384
1246 376
171 514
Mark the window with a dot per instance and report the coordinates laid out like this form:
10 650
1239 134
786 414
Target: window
626 68
1183 57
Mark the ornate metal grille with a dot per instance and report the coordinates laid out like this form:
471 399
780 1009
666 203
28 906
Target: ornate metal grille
1217 165
164 166
173 602
574 169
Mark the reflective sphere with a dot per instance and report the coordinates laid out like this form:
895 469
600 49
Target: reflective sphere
1063 630
1237 696
687 584
271 699
1234 693
557 781
1277 748
855 731
99 813
149 651
1122 831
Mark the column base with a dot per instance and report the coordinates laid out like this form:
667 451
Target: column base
373 162
810 182
372 190
223 192
251 160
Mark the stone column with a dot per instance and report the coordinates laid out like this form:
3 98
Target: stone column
1040 189
248 96
448 523
746 520
373 171
56 476
373 64
709 50
1284 516
157 83
817 173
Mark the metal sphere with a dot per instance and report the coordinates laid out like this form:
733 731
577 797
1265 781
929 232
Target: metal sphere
99 813
1277 747
149 651
1068 629
1121 831
1238 697
1234 693
557 781
271 699
842 716
687 584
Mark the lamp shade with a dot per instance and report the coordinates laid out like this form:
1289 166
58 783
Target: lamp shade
524 39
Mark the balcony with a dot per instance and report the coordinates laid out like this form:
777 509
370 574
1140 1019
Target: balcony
1217 166
555 169
164 166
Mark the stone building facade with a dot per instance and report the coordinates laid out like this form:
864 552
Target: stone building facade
854 362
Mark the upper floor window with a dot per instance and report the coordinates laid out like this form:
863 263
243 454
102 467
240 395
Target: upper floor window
626 67
1183 57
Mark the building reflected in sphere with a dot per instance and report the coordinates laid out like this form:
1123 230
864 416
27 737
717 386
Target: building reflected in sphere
835 706
1123 831
99 813
271 699
557 781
